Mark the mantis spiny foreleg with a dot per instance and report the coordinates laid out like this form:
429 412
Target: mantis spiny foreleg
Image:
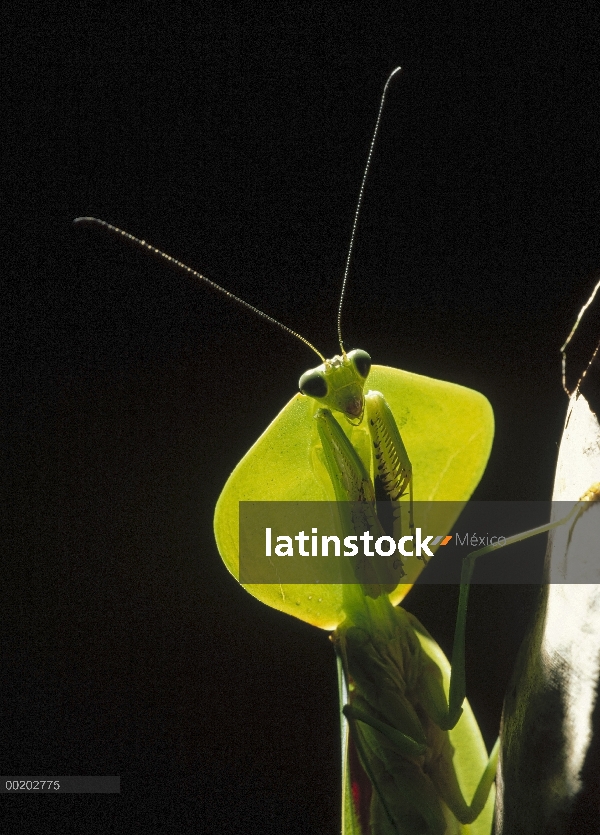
392 467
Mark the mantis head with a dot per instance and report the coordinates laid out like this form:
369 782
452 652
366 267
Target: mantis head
338 384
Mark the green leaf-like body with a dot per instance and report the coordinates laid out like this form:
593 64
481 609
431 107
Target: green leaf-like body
447 430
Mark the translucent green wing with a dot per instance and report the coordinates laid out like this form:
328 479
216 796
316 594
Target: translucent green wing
447 430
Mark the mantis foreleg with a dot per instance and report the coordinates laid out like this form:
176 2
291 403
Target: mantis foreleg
354 489
392 467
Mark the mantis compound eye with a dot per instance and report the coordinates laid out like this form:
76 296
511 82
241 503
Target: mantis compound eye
362 362
313 384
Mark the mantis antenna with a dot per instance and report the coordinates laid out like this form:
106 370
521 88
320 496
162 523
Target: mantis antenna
358 206
95 223
181 267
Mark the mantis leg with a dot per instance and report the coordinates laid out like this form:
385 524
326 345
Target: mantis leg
457 681
445 777
403 743
355 495
393 470
351 481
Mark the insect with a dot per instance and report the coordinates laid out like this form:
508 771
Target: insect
447 428
407 439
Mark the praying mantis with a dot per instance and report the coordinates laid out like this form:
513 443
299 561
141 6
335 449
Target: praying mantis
406 725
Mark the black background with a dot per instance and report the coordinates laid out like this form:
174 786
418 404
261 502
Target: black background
235 139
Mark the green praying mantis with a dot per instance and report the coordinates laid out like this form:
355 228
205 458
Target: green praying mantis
409 735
